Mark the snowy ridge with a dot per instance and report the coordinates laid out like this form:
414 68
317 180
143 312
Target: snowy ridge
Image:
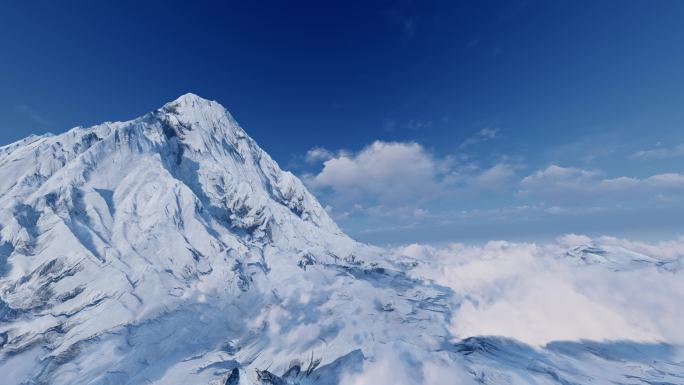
618 258
171 249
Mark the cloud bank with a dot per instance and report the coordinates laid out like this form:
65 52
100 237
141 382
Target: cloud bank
536 294
569 184
388 191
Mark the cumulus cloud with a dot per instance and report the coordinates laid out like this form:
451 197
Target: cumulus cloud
387 171
399 186
572 240
391 173
557 183
536 294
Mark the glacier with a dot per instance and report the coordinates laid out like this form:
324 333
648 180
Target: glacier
171 249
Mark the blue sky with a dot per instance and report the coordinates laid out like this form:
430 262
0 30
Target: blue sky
426 121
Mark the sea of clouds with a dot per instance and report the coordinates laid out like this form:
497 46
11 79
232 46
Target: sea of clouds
536 294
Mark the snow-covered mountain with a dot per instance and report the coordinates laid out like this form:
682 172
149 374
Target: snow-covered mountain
171 249
617 258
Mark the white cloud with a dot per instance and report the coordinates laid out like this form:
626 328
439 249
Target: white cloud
558 175
495 176
556 183
485 134
531 293
669 249
302 333
318 154
404 174
489 133
383 371
571 240
660 152
393 366
669 180
416 125
386 171
392 187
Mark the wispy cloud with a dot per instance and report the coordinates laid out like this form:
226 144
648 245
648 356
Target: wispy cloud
484 135
590 149
660 153
416 125
390 124
569 184
318 154
33 115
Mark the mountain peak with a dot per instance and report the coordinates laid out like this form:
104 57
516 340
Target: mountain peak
191 139
192 103
189 96
198 120
191 100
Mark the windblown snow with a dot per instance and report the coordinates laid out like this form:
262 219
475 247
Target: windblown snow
171 249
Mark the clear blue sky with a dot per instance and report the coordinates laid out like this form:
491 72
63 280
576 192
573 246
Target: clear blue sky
512 119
